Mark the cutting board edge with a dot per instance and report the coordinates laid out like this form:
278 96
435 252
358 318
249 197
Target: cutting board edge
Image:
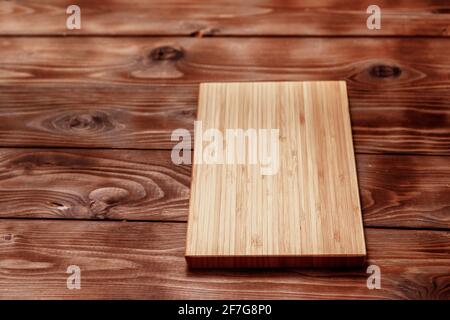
259 261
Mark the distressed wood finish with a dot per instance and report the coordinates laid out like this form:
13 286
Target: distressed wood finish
287 196
226 17
145 261
133 92
405 191
92 184
396 191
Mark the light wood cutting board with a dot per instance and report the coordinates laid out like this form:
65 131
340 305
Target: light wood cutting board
287 195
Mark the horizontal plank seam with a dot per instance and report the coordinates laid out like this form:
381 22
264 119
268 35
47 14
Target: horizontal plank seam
406 228
91 220
185 222
401 153
404 154
93 35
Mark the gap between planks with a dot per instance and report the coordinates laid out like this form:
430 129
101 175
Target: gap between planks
185 222
264 36
403 154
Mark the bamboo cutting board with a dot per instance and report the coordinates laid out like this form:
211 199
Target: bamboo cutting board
274 180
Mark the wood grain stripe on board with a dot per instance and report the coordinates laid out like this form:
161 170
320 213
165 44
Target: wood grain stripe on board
396 191
295 201
226 17
133 92
145 261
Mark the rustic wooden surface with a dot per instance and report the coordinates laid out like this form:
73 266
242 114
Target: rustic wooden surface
133 92
226 17
106 93
146 260
396 191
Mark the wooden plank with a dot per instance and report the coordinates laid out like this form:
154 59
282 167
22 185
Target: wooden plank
94 116
133 92
281 192
145 261
96 184
396 191
405 191
225 17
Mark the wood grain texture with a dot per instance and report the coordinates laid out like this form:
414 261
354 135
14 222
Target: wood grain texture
284 191
225 17
396 191
96 116
133 92
96 184
145 261
405 191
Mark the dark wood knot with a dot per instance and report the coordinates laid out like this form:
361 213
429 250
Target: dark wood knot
385 71
166 53
84 121
102 199
441 11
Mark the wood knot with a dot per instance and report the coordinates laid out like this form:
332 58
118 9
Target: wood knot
166 53
441 11
84 121
102 199
385 71
81 122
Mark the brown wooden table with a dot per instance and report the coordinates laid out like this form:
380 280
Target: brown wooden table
86 115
